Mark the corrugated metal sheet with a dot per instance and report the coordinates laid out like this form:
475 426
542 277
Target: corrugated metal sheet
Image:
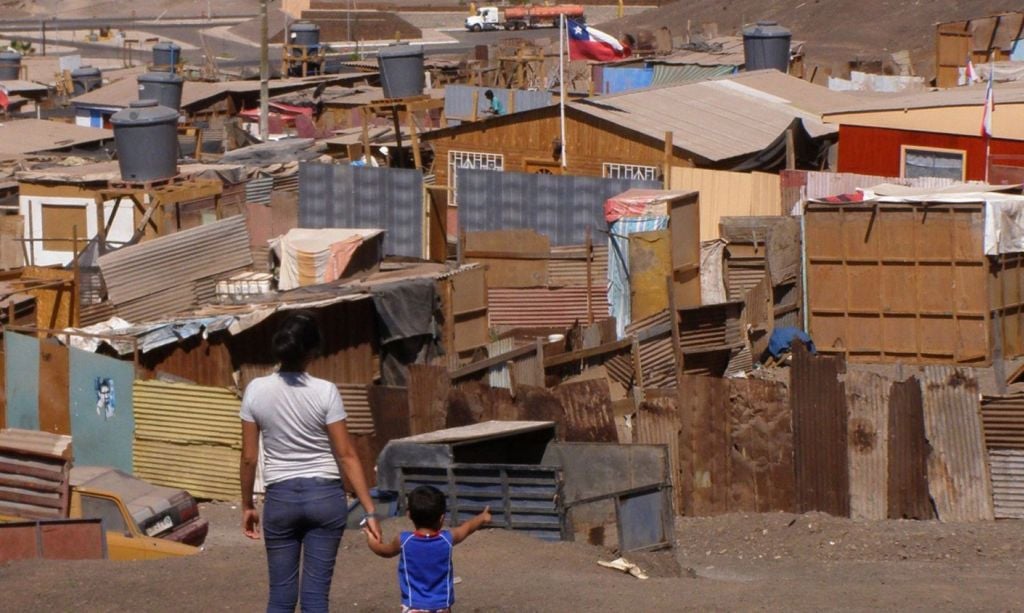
166 275
822 184
287 183
559 206
356 399
344 196
658 423
818 401
1003 420
714 326
743 275
458 100
533 307
257 190
587 412
188 436
574 271
35 473
616 79
675 74
656 354
867 400
1007 483
716 120
908 454
958 476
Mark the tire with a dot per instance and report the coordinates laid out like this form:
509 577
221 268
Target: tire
476 27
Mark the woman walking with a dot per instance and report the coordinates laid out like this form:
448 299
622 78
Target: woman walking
306 449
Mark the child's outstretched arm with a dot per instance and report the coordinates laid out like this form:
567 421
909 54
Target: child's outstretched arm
459 534
377 546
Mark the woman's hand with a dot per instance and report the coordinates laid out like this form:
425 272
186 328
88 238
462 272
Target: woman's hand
372 528
251 523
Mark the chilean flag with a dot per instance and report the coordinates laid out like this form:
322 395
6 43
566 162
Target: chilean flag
591 44
990 107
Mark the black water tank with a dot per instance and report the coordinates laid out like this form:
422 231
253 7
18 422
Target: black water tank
164 87
166 56
401 70
304 34
86 79
10 65
766 45
146 136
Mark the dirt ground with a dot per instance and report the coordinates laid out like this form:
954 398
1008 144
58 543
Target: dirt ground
766 562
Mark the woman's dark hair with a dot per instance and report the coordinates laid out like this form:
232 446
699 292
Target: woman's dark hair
296 340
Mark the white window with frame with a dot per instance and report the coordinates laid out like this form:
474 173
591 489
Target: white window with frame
636 172
473 160
932 162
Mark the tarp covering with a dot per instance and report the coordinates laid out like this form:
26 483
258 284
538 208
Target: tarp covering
640 203
712 272
311 257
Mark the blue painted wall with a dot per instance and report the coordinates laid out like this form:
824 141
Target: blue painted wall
22 375
101 436
615 80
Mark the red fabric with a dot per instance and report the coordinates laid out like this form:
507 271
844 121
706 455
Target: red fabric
4 100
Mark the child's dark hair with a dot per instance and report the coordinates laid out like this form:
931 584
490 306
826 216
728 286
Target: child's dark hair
296 340
427 506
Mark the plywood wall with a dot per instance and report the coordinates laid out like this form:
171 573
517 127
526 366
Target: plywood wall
728 194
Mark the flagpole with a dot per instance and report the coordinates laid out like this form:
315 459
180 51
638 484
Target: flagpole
562 33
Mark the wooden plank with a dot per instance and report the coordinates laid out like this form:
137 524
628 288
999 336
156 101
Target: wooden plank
54 390
684 227
389 407
907 490
518 272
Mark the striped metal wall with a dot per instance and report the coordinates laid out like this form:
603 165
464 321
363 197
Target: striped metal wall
355 397
1003 421
544 306
188 436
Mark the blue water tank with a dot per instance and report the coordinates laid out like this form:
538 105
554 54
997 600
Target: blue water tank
766 45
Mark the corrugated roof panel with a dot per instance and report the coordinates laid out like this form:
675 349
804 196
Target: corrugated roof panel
159 277
356 399
675 74
574 271
188 436
1003 419
544 306
1007 483
958 478
257 191
458 100
867 400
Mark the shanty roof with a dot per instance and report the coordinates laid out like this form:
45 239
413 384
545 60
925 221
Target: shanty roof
194 93
718 51
475 433
24 88
25 136
103 172
722 118
1004 93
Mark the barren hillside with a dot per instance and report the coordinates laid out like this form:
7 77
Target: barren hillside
836 31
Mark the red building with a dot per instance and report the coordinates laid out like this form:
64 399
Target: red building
935 133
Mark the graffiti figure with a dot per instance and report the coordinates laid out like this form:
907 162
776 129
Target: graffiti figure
105 401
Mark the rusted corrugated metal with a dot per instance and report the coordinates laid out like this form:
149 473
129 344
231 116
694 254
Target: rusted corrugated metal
742 275
356 399
165 275
188 436
257 190
574 271
1003 421
35 469
656 354
818 401
657 422
907 490
544 306
587 410
1007 483
715 326
867 401
958 478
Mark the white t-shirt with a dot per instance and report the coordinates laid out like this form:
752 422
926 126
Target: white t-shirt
292 411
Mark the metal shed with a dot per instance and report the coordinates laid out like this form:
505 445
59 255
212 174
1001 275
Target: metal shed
606 493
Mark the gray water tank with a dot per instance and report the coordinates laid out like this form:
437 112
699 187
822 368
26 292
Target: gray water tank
86 79
10 65
146 137
766 45
164 87
166 56
401 70
304 34
332 65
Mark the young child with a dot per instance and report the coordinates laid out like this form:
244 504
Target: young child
425 575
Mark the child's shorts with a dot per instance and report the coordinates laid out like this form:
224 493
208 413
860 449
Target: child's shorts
406 609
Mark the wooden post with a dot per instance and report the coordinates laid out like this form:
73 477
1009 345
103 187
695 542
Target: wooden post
790 150
590 251
677 348
667 170
76 279
414 141
398 130
366 133
476 104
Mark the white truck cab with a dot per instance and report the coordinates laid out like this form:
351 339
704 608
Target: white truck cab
486 18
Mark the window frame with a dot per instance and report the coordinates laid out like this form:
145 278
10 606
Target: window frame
476 156
905 148
620 167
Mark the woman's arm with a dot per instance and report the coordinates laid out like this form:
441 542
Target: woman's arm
247 475
352 468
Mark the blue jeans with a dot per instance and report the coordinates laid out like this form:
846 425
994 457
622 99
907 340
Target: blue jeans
302 518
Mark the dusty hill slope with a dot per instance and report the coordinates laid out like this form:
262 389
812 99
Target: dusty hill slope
836 31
